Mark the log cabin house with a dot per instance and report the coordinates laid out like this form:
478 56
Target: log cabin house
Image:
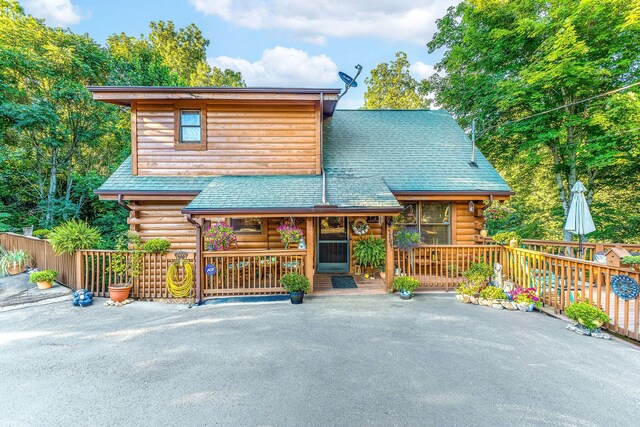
260 157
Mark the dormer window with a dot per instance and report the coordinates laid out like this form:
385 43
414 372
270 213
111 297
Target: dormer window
190 129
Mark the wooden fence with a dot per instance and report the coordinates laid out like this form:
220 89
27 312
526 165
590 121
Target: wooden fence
441 266
250 272
43 257
561 281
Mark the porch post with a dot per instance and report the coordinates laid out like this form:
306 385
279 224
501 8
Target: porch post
388 233
311 245
198 262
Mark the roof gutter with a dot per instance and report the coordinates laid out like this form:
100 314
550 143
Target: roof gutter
293 211
123 204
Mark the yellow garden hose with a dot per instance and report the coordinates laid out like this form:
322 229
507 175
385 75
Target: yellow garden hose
176 287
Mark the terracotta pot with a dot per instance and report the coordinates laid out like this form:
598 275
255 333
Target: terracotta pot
16 269
44 285
119 293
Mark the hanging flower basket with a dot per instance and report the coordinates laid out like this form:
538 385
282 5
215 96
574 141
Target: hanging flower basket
289 234
360 226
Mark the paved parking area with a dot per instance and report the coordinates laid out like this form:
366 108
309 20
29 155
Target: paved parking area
344 360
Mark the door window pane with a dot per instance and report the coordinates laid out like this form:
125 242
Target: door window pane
333 228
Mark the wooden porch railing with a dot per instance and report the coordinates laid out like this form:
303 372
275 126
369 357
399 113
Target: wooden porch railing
245 272
441 266
562 280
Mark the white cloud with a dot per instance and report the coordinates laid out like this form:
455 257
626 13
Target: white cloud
411 21
420 71
281 66
56 12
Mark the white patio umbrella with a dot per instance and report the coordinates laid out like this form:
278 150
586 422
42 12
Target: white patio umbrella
579 219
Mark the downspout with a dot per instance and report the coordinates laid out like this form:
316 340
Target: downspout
123 204
198 258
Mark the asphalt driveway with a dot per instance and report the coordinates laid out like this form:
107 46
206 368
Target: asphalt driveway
362 360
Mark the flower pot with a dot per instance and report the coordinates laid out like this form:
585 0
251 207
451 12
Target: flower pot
44 285
15 269
405 295
530 307
119 293
296 297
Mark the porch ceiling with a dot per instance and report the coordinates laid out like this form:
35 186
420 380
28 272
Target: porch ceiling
288 194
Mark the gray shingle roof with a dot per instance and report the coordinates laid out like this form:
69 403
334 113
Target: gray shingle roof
415 150
293 192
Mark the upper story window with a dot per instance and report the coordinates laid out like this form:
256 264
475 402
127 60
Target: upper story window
191 131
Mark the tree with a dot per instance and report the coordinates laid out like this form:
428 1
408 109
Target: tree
507 63
391 86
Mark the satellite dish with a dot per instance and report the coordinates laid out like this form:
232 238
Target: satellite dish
349 81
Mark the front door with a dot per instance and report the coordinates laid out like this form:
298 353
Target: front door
333 245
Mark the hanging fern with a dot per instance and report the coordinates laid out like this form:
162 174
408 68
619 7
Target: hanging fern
369 252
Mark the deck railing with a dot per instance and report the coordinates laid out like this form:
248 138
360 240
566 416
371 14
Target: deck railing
254 272
561 281
571 249
441 266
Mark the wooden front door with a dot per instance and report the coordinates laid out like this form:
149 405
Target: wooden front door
333 245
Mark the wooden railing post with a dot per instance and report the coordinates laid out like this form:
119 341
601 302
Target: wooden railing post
78 283
311 244
390 260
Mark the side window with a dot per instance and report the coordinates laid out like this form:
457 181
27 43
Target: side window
247 225
190 127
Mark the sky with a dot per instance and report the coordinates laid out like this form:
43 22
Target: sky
284 43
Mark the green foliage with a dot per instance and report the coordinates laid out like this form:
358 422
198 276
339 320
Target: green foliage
506 61
73 235
13 258
156 246
406 240
632 259
468 288
41 233
43 276
492 292
126 263
505 237
405 284
587 315
369 252
478 273
391 86
295 282
4 225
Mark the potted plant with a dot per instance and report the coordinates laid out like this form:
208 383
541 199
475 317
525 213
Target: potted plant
406 240
13 262
405 285
126 264
221 237
369 253
633 261
589 317
72 236
289 234
296 284
525 298
44 279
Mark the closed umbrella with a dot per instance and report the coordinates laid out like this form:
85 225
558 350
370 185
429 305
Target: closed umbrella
579 220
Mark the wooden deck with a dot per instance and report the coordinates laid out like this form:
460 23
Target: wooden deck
322 285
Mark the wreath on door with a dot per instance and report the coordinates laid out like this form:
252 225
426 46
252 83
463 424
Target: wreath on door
360 226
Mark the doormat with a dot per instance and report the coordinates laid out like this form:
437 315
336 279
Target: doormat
343 282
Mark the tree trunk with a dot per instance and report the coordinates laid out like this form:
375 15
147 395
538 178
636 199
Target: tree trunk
53 182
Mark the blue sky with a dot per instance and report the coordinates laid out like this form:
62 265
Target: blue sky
274 42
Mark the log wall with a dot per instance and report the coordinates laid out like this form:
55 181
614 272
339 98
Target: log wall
242 139
154 220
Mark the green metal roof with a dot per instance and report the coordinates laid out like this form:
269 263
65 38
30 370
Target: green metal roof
412 150
301 192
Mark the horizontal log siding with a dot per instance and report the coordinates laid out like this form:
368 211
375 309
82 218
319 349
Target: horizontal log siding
467 225
269 239
256 139
163 220
375 230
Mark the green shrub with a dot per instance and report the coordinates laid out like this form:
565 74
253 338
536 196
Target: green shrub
586 314
369 252
156 246
505 237
43 276
41 233
405 284
127 262
478 272
73 235
295 282
492 292
631 259
467 288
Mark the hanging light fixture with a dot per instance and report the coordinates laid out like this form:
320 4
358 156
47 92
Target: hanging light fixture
472 206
